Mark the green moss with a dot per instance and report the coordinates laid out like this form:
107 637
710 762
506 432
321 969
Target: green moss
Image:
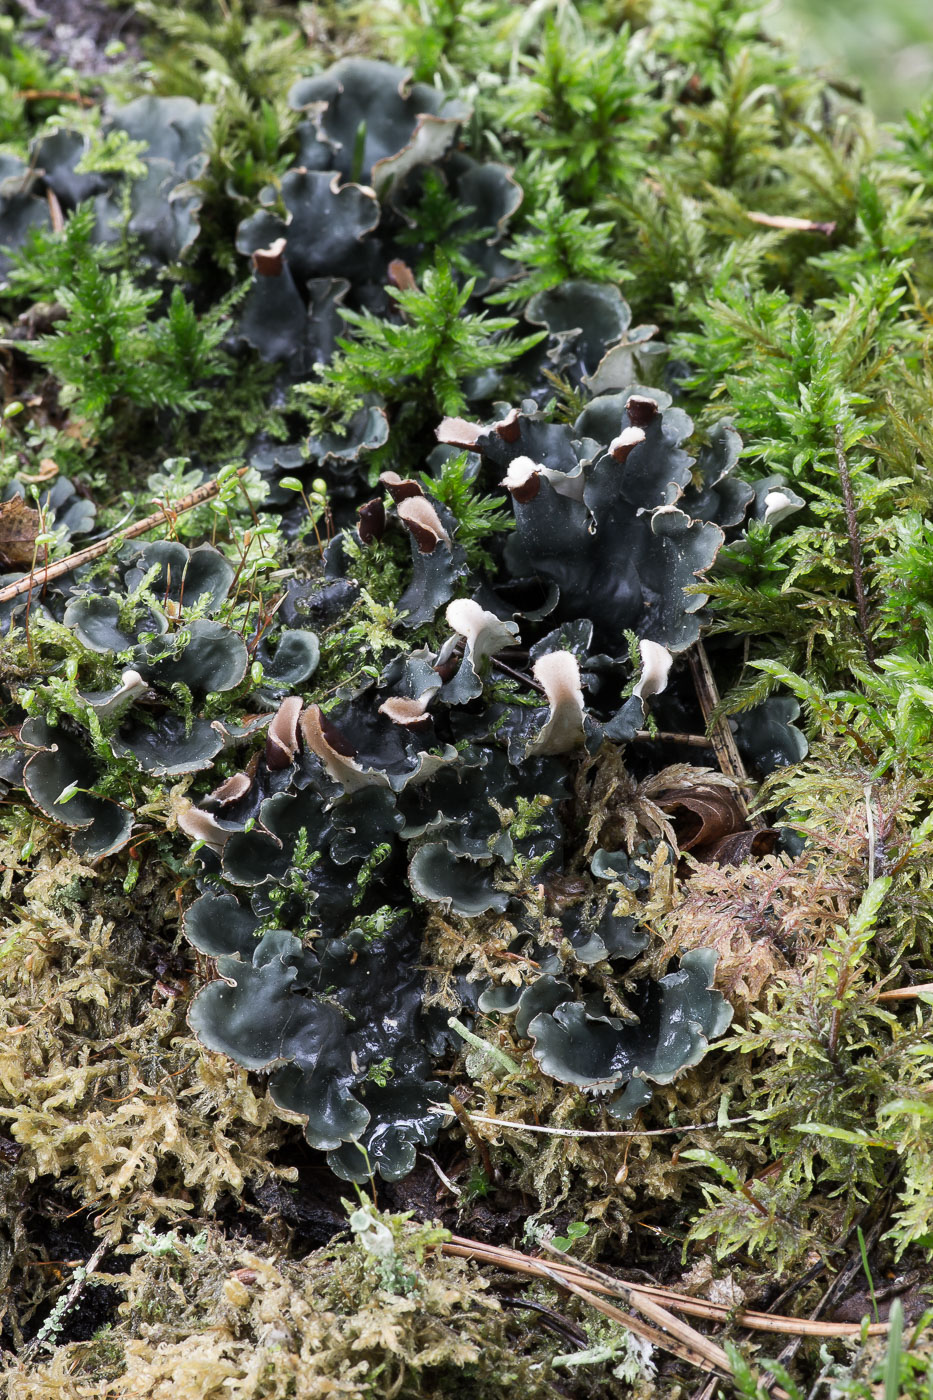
670 152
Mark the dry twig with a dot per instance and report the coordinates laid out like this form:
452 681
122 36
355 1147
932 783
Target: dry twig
855 543
721 736
906 993
52 1324
583 1276
596 1132
38 578
838 1286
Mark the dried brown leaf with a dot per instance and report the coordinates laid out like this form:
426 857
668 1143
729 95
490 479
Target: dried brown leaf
19 526
740 847
702 816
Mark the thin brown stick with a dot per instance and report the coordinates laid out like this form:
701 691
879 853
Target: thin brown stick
668 736
759 1321
789 223
698 1350
694 1356
906 993
550 1131
71 1297
56 94
478 1142
721 736
855 542
529 681
707 1390
663 1330
688 1336
55 211
40 577
513 1259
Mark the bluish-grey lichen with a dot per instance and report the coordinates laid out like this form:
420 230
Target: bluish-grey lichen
368 122
442 788
327 236
374 797
164 200
59 778
343 1041
599 513
156 622
677 1017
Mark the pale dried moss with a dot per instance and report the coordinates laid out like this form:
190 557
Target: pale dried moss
607 1181
100 1081
232 1323
759 918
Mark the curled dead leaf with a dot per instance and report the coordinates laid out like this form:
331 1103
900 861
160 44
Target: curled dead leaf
702 816
740 847
19 527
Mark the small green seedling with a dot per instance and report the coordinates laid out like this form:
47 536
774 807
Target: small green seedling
576 1230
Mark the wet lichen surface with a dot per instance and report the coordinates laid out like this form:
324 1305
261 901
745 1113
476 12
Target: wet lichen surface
465 696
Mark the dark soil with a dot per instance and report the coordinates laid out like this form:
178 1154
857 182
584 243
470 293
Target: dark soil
78 32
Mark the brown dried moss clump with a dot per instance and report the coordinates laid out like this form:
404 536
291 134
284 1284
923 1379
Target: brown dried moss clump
759 917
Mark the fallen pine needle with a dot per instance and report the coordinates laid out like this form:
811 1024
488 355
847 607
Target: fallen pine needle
906 993
789 223
688 1337
514 1259
687 1343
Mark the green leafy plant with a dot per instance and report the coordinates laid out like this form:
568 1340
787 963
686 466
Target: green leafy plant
899 1368
113 152
420 362
576 1230
222 46
478 516
451 37
437 229
752 1383
167 1243
578 96
885 725
109 349
53 259
559 243
25 71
